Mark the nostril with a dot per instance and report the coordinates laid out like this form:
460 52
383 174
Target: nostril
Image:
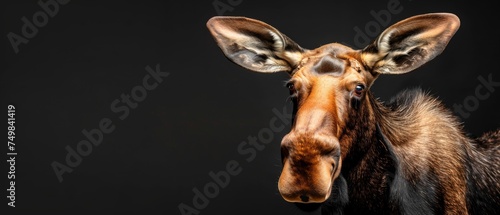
304 198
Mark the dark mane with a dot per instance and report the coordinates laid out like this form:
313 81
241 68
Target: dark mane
416 188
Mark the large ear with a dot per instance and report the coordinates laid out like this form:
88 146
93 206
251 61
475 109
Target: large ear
254 45
410 43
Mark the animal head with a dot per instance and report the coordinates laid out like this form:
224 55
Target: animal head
329 86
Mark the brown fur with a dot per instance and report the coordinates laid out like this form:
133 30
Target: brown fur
427 140
355 154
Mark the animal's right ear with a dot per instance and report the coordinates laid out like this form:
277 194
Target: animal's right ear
255 45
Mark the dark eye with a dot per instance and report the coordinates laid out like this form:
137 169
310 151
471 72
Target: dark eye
291 88
358 90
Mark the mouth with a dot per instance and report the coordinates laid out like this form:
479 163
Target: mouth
307 195
315 186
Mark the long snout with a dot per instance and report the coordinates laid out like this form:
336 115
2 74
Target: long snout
310 165
314 188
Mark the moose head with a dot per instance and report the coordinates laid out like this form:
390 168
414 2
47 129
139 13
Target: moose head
329 86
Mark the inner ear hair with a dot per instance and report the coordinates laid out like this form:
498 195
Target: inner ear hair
410 43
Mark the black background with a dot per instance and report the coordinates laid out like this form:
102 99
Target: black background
90 53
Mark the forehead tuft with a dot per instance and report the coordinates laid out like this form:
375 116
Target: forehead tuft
329 59
329 64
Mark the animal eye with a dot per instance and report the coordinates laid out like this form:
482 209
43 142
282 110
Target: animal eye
291 87
358 90
356 96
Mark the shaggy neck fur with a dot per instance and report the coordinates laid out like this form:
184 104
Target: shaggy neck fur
403 157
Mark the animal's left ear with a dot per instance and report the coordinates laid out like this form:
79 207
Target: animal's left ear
410 43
